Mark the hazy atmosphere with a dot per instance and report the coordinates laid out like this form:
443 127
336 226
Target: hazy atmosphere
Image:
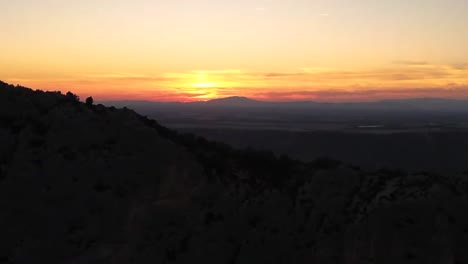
180 50
234 132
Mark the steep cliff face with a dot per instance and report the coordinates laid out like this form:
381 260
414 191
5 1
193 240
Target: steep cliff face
90 184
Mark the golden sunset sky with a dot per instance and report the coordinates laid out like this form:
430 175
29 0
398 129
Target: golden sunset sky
186 50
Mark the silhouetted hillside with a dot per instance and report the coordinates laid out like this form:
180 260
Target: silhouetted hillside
432 149
84 183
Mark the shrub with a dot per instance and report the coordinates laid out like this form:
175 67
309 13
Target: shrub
73 97
89 101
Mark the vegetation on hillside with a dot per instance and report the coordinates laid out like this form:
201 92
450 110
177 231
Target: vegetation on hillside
85 183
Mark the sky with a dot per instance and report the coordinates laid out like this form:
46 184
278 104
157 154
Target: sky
276 50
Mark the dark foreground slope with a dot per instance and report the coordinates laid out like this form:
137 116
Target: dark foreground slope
89 184
439 150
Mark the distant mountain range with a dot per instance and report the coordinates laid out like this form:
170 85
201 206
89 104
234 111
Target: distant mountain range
414 104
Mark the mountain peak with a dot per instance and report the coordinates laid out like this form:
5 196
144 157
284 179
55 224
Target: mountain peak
233 101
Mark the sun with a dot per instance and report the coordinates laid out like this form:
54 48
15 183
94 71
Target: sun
205 84
208 90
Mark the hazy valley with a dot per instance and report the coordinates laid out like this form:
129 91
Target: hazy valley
415 134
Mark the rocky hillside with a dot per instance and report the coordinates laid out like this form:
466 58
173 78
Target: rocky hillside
84 183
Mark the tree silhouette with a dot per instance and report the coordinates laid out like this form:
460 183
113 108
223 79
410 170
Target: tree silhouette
73 97
89 101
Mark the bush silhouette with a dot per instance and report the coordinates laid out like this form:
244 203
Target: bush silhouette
73 97
89 101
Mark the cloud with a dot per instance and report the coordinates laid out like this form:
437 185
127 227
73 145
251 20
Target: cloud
280 74
460 66
324 14
411 63
401 79
126 77
402 74
365 95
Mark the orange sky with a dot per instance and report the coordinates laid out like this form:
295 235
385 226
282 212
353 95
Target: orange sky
176 50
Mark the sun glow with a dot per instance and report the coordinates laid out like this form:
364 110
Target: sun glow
259 51
204 90
205 84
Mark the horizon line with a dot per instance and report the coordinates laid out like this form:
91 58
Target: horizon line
250 99
365 96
